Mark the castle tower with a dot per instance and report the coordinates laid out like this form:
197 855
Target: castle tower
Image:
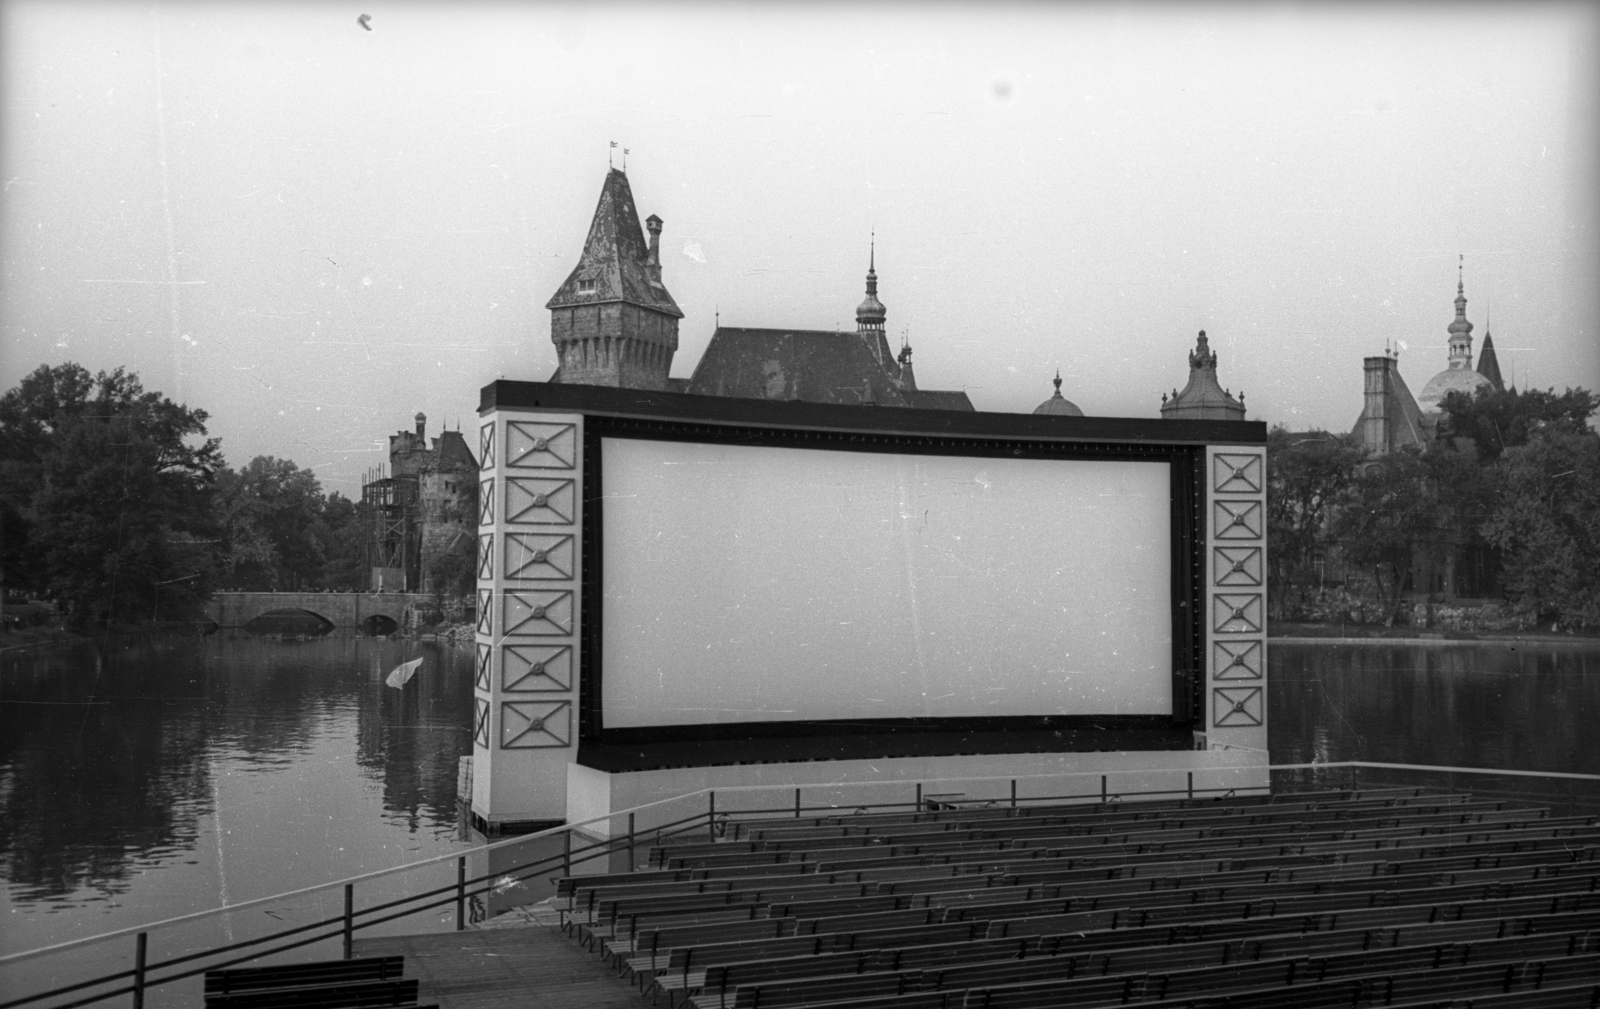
612 321
871 313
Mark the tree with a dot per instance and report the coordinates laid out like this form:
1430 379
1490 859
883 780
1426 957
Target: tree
1547 526
1308 475
271 512
1390 513
1495 421
113 493
343 532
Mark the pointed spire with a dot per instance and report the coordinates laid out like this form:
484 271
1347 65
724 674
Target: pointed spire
1460 329
871 313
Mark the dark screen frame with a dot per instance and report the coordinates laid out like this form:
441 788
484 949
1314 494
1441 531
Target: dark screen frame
664 416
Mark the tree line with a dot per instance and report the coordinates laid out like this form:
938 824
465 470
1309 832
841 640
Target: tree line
1512 478
114 503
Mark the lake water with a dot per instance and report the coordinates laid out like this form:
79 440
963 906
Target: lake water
146 778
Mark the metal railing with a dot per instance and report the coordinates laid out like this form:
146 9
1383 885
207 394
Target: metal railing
467 893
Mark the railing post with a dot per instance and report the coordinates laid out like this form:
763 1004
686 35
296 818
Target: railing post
630 842
919 797
349 920
1191 784
140 948
1013 793
1102 788
797 804
461 893
566 852
711 816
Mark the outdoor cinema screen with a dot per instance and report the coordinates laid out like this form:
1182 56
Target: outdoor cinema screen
746 583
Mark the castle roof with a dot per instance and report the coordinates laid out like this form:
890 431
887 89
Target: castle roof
815 366
1489 363
615 262
1058 405
1390 419
1203 398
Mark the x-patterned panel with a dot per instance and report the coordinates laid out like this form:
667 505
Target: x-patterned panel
1237 474
1236 706
1237 566
480 679
485 611
536 668
531 725
480 723
539 501
1236 614
1236 660
532 612
535 556
486 556
534 445
486 502
1237 520
486 446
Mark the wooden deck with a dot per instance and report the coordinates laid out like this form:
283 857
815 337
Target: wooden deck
536 967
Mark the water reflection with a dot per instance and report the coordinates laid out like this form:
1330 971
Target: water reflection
1510 705
147 777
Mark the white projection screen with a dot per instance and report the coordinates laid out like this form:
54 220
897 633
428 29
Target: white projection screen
759 584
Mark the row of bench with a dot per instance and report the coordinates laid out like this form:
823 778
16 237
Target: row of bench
1341 898
366 983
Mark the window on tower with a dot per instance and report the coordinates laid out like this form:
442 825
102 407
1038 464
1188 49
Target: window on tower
586 287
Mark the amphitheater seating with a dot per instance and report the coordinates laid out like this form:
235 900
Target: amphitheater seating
1395 897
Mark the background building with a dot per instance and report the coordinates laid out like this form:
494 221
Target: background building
614 323
421 518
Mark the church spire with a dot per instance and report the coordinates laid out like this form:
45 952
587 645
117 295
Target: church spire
871 313
1460 329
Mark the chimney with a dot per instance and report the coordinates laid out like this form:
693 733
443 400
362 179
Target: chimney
1375 417
653 260
422 423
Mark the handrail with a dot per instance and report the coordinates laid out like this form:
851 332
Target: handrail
348 881
460 889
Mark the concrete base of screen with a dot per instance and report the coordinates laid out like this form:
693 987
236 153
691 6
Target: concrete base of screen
594 795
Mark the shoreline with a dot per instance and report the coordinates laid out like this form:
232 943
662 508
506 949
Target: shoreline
1366 634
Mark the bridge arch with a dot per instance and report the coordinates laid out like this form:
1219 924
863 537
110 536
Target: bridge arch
341 609
289 621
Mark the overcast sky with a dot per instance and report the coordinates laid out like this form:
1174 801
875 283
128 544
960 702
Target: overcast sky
313 231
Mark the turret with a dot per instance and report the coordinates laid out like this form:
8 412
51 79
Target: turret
612 321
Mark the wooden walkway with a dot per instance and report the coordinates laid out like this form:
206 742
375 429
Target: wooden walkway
536 967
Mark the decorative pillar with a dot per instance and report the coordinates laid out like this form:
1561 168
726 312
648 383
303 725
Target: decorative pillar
1236 570
525 691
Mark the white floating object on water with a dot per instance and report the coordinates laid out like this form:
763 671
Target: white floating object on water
401 673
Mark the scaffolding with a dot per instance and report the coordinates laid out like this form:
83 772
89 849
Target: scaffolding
392 540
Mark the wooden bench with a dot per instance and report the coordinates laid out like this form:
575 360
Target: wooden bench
351 994
237 979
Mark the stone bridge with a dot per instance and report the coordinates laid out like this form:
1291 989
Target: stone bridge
341 609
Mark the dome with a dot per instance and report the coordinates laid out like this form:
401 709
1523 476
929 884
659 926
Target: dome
1431 399
871 309
1057 406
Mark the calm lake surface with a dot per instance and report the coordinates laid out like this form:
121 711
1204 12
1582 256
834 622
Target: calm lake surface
146 778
